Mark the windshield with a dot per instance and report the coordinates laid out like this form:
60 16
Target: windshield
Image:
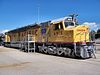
68 24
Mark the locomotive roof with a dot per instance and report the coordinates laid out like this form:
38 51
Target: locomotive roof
59 20
29 26
37 25
24 28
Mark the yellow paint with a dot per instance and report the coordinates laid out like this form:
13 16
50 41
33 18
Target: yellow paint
81 34
7 38
73 34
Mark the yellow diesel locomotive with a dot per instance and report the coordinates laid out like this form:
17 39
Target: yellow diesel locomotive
60 37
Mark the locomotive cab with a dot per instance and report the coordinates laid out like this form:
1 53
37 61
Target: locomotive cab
63 23
68 33
70 22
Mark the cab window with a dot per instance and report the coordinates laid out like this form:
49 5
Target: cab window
68 24
58 26
61 26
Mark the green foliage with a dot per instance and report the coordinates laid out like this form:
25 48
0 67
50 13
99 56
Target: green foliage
92 35
98 31
0 39
98 34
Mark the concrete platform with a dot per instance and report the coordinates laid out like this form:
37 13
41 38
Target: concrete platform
15 62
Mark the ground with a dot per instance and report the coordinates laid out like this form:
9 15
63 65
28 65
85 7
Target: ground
15 62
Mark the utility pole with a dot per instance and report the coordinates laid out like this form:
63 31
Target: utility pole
38 12
28 43
34 43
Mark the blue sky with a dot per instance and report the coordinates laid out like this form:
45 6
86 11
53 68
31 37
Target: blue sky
18 13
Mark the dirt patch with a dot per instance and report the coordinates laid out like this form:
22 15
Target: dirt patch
2 49
5 51
14 65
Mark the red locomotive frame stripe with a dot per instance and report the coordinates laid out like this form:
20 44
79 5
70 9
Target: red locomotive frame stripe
65 42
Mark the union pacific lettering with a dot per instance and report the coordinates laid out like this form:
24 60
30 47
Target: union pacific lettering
82 30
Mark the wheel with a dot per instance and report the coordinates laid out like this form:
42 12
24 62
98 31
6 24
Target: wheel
40 49
45 51
52 50
59 51
84 53
72 54
67 52
49 50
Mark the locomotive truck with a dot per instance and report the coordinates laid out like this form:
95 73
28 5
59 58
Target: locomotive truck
62 36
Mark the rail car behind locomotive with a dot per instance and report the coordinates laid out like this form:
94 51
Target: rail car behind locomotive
61 37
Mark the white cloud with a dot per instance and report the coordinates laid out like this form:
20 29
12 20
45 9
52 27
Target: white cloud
3 31
92 25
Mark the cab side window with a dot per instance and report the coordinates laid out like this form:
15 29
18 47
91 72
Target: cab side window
58 26
61 26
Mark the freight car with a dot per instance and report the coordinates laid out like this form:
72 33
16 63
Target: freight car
60 37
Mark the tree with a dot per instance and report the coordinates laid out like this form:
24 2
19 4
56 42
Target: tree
92 35
98 31
1 38
98 34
